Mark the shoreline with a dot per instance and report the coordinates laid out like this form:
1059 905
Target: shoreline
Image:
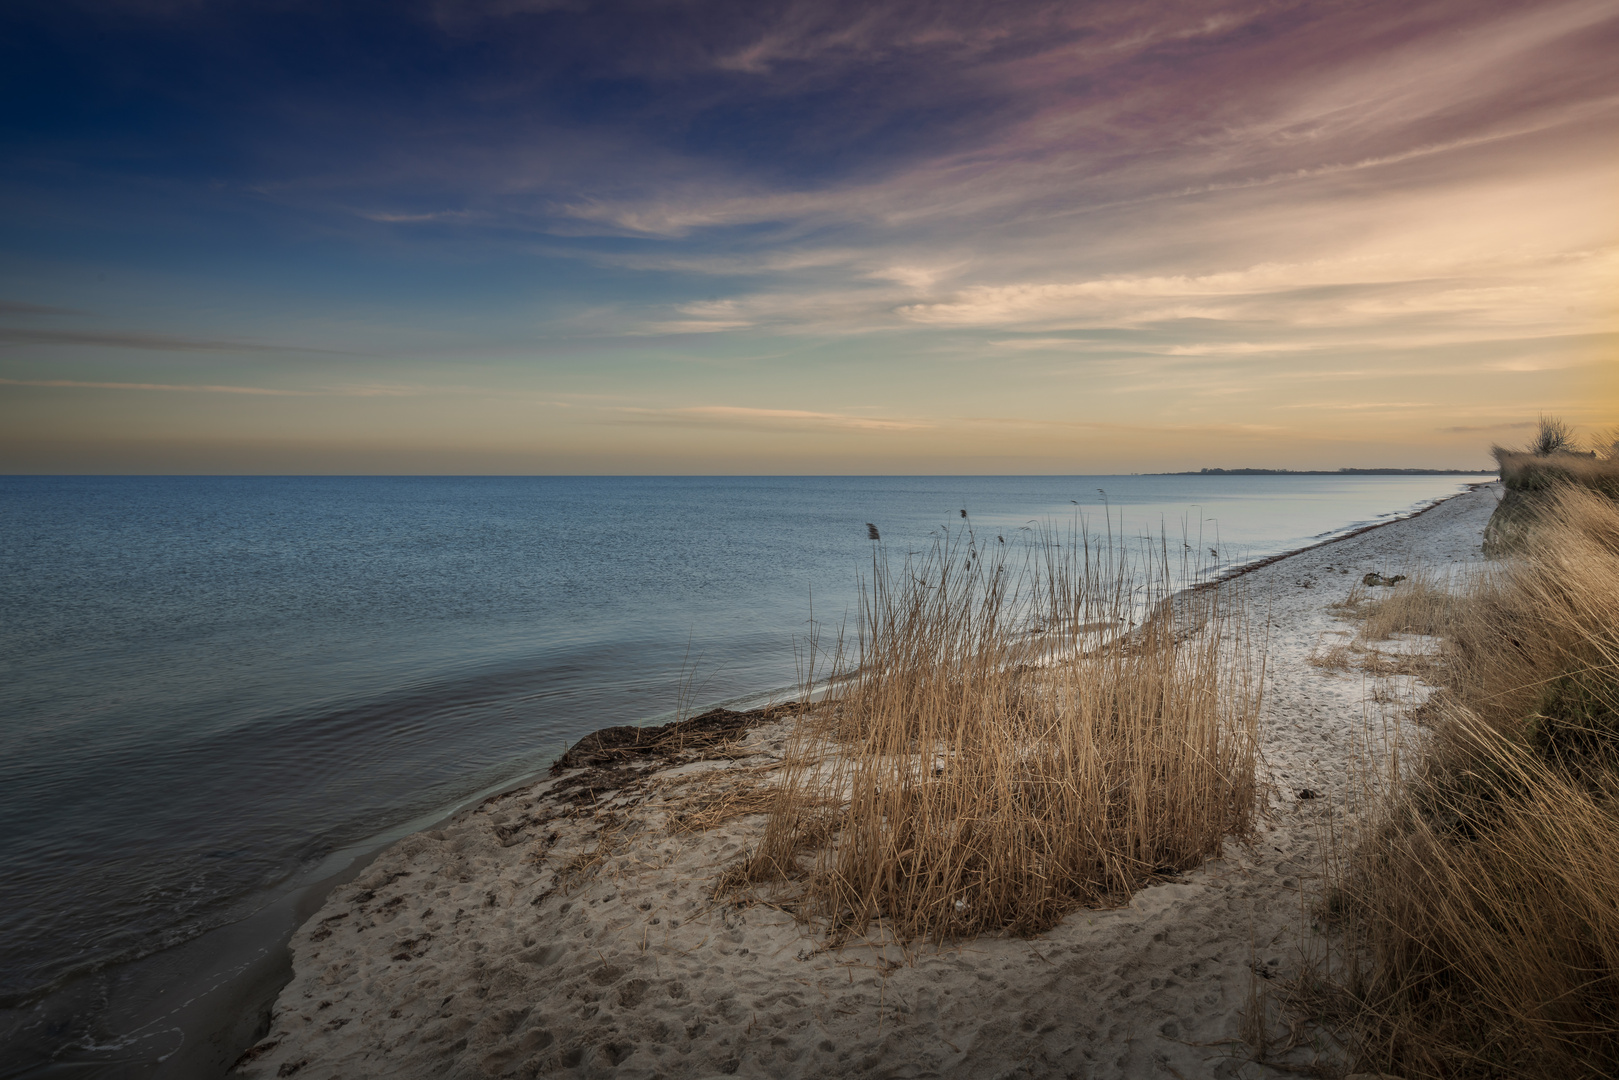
1351 532
587 1006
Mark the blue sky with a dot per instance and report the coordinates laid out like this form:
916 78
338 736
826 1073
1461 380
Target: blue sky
539 236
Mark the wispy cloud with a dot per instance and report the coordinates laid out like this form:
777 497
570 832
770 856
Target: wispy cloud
400 217
17 307
209 388
189 388
1240 348
743 416
1359 406
1465 429
1040 343
14 335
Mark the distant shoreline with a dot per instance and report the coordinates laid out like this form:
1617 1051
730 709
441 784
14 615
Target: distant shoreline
1331 472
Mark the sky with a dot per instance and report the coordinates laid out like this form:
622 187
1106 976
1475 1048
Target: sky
772 236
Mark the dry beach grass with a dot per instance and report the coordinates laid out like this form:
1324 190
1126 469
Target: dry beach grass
1011 745
1484 899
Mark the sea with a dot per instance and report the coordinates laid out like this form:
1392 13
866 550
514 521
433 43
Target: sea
220 695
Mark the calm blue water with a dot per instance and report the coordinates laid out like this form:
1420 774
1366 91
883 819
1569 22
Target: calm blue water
207 684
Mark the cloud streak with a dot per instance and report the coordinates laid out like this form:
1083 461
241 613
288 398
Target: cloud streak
13 335
769 419
17 307
208 388
190 388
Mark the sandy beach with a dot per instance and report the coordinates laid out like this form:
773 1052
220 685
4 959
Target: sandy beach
568 926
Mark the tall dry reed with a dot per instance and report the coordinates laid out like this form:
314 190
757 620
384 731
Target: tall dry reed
1486 901
1021 729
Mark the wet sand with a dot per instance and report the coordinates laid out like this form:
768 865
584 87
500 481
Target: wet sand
568 927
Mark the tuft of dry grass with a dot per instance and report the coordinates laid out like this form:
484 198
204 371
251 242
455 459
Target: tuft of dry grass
1422 604
714 808
1486 899
1384 665
1337 657
584 864
1356 604
1021 730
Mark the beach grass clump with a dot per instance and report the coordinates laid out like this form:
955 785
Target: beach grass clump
1422 604
1337 656
1486 899
1020 730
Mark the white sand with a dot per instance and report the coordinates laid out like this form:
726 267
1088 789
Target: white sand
457 954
